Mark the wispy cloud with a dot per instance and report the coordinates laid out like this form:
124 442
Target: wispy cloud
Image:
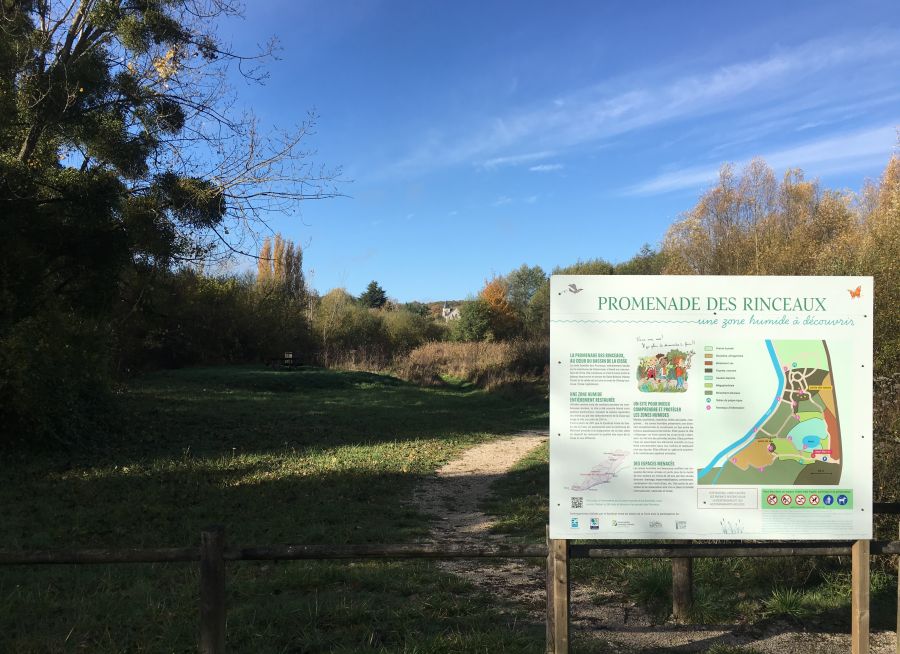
597 113
515 159
502 200
546 168
834 154
531 199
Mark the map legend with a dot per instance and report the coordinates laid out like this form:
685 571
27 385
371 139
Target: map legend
729 362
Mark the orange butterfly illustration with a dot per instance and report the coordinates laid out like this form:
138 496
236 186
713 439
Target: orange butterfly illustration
856 293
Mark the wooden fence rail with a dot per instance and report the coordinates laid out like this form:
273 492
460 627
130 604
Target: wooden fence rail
213 554
414 551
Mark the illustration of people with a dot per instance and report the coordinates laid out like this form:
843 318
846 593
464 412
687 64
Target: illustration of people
681 368
662 364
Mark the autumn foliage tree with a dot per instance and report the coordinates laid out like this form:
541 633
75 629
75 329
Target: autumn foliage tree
749 223
280 266
503 316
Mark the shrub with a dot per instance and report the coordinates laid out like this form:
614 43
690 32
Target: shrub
489 365
54 380
474 323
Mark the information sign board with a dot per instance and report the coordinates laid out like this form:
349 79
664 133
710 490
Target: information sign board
710 407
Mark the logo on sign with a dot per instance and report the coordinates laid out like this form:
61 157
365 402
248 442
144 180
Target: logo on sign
574 523
595 523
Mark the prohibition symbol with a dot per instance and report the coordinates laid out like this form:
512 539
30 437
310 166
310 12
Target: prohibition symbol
785 499
801 500
772 499
813 499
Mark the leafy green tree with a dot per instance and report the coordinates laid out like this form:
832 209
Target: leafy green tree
589 267
418 308
474 323
373 297
646 262
522 284
119 156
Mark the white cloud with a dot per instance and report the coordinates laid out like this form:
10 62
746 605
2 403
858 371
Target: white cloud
830 155
503 199
546 168
531 199
514 160
597 113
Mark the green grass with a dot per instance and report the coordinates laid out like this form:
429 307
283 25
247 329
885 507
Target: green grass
305 456
804 588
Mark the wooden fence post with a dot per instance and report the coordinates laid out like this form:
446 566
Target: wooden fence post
557 595
682 587
859 598
550 630
898 600
212 591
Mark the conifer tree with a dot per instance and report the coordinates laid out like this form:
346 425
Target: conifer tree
374 296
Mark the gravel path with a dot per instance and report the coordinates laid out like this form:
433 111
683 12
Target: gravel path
452 496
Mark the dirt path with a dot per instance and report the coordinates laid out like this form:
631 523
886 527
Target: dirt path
453 496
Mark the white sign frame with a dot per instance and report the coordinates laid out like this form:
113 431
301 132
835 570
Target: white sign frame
782 407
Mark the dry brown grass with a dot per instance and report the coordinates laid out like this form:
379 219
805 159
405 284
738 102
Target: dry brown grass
488 365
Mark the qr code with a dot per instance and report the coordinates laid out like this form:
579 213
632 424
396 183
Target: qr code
577 502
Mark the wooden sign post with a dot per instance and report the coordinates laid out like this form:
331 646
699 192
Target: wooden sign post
682 587
557 595
859 598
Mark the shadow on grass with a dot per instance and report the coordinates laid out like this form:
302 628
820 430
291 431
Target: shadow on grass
305 456
216 409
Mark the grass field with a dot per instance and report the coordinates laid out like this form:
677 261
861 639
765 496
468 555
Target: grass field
806 589
306 456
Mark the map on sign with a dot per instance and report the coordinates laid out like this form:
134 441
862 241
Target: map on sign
603 472
797 441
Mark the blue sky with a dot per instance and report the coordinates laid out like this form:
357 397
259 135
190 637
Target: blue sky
479 136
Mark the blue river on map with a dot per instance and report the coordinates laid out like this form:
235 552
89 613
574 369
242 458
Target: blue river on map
746 438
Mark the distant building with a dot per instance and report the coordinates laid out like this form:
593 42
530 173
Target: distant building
448 313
